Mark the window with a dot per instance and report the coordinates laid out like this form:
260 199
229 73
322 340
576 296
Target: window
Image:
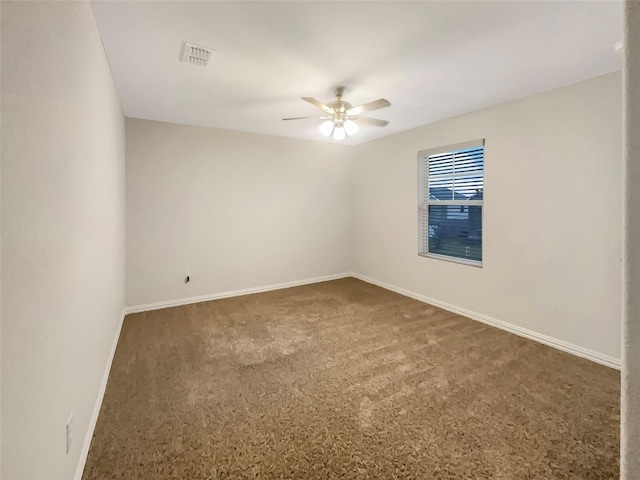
450 192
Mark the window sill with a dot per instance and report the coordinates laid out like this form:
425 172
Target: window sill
471 263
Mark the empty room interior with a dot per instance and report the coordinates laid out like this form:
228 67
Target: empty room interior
320 240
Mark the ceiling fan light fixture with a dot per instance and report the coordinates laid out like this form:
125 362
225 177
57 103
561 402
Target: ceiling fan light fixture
350 127
326 128
338 133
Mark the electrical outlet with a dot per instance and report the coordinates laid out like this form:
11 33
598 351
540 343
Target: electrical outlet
187 276
69 433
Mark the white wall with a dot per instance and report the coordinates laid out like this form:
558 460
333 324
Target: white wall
630 404
552 214
238 210
62 231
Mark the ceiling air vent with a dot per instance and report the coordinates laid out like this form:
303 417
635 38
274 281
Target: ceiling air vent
197 55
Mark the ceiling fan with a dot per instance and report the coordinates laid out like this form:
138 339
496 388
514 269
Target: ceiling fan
342 118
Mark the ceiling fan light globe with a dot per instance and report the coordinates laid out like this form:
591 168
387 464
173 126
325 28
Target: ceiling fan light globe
350 127
338 133
326 128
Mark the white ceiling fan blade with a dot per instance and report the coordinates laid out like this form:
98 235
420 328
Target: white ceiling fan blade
372 121
376 104
304 118
319 104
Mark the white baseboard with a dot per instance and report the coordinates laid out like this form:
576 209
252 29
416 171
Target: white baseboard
523 332
96 408
233 293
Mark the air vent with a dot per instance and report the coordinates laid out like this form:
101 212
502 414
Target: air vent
197 55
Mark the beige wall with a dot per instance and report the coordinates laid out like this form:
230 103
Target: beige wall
552 214
237 210
62 231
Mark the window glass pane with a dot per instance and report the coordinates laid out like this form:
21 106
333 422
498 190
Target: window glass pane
455 231
469 160
441 188
441 164
469 187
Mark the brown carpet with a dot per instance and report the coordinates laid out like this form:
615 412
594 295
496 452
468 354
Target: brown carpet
347 380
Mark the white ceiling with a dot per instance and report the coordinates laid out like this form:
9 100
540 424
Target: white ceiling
431 60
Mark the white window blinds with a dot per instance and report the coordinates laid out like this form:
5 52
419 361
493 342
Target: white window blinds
451 192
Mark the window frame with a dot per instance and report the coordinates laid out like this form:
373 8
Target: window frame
423 203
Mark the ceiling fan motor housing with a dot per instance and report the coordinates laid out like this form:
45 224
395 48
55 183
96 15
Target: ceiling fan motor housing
339 107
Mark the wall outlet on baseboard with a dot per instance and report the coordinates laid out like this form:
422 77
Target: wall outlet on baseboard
69 433
187 276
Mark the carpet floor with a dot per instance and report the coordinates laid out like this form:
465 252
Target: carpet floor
346 380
